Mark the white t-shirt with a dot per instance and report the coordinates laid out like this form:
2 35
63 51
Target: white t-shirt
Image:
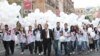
97 36
22 38
79 37
66 35
90 29
13 36
57 34
73 37
38 36
7 36
62 39
98 29
30 37
92 34
85 35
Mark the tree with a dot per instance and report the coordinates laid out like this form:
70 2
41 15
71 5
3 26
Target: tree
88 18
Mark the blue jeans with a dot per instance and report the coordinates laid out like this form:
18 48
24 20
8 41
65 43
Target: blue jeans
99 42
96 42
84 45
64 45
22 45
68 47
56 48
73 46
79 46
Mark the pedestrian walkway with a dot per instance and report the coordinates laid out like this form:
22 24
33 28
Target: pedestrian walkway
26 53
1 47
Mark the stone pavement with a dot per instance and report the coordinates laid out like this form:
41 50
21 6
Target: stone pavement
26 53
1 47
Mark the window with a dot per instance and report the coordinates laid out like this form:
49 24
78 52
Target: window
81 11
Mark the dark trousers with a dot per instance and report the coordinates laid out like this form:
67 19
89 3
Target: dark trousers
9 46
47 46
92 46
55 44
30 47
64 44
67 47
73 46
23 46
38 46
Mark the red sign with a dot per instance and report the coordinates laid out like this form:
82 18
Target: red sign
27 4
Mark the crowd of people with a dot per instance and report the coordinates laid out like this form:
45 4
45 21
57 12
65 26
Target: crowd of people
40 39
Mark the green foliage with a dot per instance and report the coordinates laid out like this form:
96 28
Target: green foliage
88 18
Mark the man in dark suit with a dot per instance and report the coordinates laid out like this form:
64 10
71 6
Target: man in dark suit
47 36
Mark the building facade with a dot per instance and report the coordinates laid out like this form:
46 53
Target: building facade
64 5
68 6
80 11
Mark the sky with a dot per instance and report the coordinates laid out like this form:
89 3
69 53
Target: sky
86 3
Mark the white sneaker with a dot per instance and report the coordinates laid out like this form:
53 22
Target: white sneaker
96 50
42 53
91 50
73 52
33 52
22 53
39 54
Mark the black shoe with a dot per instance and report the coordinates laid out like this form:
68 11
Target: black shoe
67 55
44 53
12 53
7 55
49 55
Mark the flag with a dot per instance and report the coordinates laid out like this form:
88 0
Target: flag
27 4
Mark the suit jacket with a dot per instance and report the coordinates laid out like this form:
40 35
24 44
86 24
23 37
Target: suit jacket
43 34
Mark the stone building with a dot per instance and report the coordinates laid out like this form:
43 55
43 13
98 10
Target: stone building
68 6
80 11
64 5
